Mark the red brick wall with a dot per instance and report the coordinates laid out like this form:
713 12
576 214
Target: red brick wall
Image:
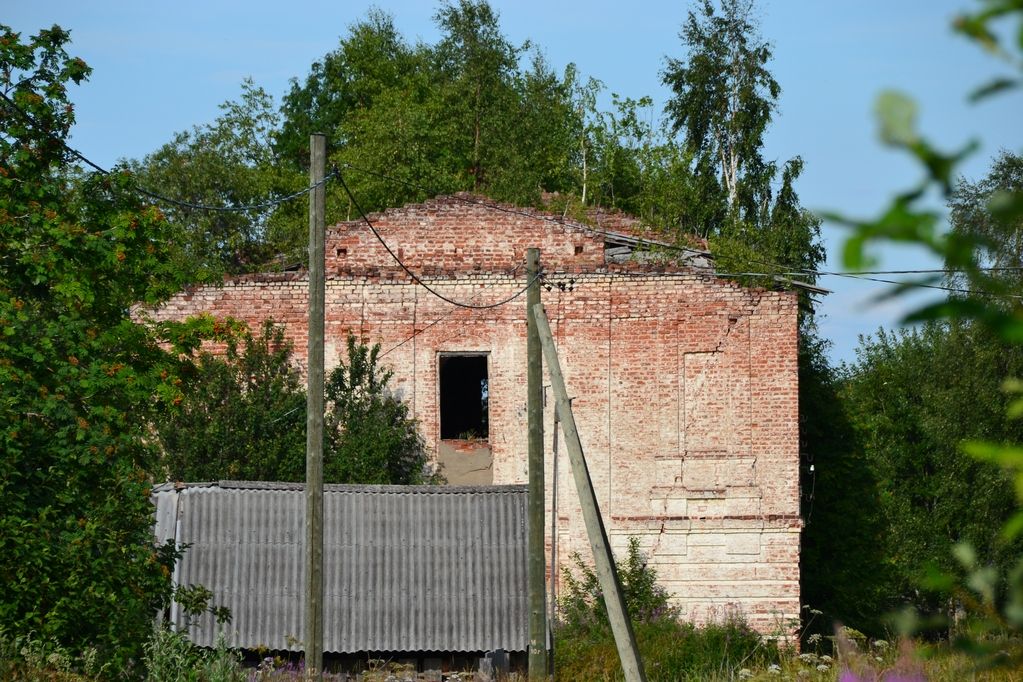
685 386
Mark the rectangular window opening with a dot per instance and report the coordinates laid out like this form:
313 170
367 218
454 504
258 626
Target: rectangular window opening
464 397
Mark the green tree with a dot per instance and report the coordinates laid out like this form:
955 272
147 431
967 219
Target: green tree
78 376
241 415
724 100
371 437
230 163
978 214
843 572
417 120
994 599
912 398
476 65
371 59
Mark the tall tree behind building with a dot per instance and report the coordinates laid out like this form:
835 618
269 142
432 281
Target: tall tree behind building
724 100
418 120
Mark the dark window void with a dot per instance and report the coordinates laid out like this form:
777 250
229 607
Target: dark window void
464 397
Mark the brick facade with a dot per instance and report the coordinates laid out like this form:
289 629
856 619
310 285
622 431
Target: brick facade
684 385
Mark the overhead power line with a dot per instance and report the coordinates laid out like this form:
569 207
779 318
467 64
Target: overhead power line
156 196
925 285
415 278
865 277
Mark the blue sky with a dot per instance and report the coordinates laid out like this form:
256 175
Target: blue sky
163 67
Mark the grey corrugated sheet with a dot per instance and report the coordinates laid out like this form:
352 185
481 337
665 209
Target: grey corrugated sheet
406 568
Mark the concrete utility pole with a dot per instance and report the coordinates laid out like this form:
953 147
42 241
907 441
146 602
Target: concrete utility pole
314 410
607 574
538 664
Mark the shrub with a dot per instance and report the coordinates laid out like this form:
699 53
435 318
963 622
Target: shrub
370 435
582 606
241 415
670 648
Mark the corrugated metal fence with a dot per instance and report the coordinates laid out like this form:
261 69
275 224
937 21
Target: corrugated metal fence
406 568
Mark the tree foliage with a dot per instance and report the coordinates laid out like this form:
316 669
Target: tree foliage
230 163
241 414
982 212
371 437
418 120
994 598
724 100
842 561
79 376
912 398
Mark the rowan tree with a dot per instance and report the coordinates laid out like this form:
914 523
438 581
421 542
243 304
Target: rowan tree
77 250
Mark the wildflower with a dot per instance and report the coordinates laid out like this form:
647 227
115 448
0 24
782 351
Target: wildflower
808 659
745 674
774 669
880 644
826 658
815 638
823 667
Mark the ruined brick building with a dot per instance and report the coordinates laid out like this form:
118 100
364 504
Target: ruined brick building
684 384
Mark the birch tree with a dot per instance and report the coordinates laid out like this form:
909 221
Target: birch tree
724 100
724 96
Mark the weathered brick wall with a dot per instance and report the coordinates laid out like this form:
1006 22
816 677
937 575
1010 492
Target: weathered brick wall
685 386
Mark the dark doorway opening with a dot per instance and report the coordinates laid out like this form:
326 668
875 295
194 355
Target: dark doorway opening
464 397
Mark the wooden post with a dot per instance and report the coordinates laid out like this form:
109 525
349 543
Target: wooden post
314 411
607 574
534 401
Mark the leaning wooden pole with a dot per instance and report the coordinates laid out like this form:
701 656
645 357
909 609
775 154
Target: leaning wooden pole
534 413
607 574
314 410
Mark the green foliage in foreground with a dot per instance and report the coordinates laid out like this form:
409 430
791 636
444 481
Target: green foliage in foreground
79 378
670 648
993 598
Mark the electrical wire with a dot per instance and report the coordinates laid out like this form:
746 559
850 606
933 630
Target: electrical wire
865 275
924 285
934 271
415 278
235 209
156 196
417 333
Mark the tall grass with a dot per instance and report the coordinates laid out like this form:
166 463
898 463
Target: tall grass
671 650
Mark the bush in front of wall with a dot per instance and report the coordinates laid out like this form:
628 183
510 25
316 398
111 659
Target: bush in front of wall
671 648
